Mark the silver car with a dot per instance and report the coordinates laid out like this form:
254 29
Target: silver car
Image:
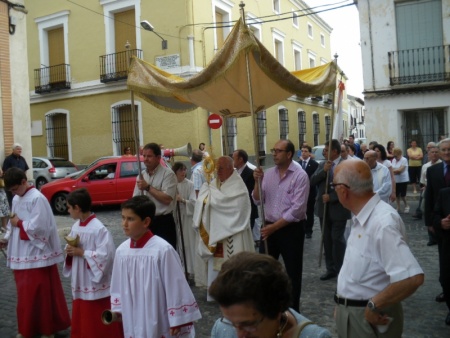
47 169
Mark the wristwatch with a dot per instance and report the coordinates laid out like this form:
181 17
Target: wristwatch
371 305
148 188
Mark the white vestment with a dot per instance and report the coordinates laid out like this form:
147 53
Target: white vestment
186 190
150 290
222 217
91 276
43 247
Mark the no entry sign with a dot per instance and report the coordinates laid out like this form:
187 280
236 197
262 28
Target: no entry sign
214 121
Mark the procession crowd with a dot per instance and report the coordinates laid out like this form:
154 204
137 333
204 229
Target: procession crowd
226 229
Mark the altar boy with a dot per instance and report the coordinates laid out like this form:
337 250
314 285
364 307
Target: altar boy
148 286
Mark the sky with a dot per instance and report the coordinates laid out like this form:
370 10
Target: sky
345 40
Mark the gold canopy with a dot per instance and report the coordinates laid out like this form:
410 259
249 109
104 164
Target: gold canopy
223 88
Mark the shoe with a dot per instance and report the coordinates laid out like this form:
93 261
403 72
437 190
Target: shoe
328 275
308 236
440 298
447 320
430 243
417 216
406 210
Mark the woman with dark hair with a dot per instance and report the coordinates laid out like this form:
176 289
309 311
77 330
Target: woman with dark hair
185 206
390 150
382 158
127 151
253 292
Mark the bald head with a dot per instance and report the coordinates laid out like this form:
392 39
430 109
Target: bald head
370 157
357 175
224 168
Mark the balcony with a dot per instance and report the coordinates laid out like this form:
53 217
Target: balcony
419 66
50 79
114 67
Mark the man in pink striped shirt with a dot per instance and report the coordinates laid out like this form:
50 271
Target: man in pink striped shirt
285 190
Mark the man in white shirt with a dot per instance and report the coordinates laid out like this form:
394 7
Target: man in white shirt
382 183
379 270
159 184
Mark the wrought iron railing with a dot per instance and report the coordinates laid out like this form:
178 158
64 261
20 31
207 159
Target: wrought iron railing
50 79
419 65
114 67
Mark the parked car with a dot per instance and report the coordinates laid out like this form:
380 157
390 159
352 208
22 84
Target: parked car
318 153
47 169
109 180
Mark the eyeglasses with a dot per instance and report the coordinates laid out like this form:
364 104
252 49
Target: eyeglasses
277 151
334 185
247 327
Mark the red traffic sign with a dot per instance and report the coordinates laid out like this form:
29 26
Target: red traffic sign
214 121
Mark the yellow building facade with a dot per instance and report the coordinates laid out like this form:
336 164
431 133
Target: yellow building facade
78 56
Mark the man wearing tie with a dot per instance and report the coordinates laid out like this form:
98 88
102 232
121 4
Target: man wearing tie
334 221
310 166
438 177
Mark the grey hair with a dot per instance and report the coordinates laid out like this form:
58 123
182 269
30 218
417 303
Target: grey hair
16 145
446 140
358 185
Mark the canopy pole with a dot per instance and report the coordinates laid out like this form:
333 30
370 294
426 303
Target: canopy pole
133 118
255 136
325 206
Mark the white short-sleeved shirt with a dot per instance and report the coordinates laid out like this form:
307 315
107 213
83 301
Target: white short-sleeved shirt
377 254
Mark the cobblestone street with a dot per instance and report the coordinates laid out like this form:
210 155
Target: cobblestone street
423 316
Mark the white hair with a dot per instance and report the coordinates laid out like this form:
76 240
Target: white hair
16 145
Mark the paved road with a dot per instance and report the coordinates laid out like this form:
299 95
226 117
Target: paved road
423 316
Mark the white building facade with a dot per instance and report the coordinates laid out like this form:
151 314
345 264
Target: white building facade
406 69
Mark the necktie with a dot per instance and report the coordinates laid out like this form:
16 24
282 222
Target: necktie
447 176
304 164
330 178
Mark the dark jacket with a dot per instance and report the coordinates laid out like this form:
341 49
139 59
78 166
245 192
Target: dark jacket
249 180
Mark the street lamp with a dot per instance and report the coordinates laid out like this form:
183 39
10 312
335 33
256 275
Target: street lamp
149 27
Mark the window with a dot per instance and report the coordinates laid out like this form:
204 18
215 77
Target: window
322 40
316 128
276 6
310 31
297 51
327 127
312 58
254 24
231 124
126 14
295 19
261 124
301 127
122 128
284 123
58 131
222 18
278 42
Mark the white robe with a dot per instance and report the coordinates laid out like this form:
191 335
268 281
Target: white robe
94 282
186 190
44 248
150 290
226 219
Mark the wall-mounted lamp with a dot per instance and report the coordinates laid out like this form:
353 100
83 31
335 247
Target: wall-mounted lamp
149 27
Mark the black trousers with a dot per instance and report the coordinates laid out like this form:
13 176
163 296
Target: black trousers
164 227
288 242
309 223
334 244
445 268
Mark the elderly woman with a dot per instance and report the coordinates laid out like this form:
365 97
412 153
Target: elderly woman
253 291
400 169
382 158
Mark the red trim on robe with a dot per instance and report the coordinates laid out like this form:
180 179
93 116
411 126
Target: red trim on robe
139 244
87 220
23 235
180 326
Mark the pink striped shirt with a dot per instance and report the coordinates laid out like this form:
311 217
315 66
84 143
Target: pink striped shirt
285 197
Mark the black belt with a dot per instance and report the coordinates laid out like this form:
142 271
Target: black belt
350 302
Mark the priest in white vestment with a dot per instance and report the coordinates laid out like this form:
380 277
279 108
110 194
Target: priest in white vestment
222 217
